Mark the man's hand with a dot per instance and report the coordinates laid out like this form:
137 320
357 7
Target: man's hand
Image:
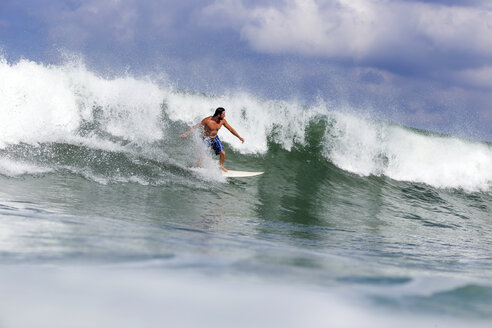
241 139
184 135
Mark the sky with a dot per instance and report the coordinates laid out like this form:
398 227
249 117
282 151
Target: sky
426 64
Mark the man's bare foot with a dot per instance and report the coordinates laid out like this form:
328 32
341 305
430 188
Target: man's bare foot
223 169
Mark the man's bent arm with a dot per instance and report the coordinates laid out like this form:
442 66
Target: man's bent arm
233 131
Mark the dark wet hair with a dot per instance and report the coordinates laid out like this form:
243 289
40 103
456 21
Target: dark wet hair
219 111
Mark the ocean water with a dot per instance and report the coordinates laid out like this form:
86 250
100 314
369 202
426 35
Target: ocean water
356 222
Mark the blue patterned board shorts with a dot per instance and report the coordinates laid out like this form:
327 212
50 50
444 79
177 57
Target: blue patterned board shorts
215 144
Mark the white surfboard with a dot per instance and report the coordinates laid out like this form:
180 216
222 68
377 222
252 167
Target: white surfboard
229 173
240 174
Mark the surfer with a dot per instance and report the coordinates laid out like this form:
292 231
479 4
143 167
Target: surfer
211 126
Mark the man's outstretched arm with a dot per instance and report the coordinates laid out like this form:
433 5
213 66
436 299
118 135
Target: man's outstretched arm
184 135
233 131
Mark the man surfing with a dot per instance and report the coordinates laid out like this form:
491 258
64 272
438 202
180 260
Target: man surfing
211 126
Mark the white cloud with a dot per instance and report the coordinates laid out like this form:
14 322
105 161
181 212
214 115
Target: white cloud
462 29
361 29
307 27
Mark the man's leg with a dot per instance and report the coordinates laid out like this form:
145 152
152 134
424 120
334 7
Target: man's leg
222 160
207 143
200 160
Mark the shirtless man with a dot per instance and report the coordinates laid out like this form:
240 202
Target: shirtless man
211 126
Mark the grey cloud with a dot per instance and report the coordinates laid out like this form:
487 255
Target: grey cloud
93 23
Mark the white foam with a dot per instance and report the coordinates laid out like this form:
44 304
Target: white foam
14 168
40 103
36 104
365 147
129 108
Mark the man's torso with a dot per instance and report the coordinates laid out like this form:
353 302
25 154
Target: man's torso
211 127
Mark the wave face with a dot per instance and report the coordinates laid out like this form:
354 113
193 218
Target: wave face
65 107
